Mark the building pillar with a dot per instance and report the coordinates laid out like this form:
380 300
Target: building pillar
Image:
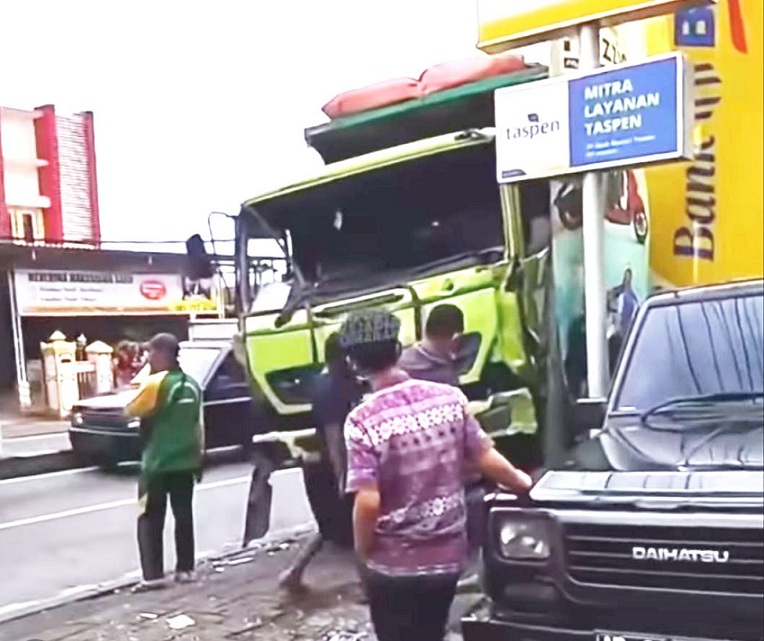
50 178
5 215
95 215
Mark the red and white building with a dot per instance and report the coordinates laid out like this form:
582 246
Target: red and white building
48 183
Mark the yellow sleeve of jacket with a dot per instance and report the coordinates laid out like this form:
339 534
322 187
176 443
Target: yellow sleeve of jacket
145 403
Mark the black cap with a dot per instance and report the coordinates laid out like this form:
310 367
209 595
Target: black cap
369 326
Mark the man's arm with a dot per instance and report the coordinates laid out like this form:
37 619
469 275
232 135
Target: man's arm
494 466
365 517
145 403
362 479
480 452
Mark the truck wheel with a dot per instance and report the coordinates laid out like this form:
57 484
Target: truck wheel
569 205
641 227
570 220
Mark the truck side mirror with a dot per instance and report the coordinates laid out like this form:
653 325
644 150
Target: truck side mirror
588 416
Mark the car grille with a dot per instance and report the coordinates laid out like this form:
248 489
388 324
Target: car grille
604 555
104 419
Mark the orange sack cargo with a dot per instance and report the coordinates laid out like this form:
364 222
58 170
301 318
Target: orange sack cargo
380 94
461 72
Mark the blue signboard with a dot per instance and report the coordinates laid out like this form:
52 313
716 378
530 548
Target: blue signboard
625 115
695 27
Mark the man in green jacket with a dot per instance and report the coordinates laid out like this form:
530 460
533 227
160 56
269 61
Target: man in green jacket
169 406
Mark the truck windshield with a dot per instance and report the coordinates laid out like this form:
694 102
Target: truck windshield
701 349
393 220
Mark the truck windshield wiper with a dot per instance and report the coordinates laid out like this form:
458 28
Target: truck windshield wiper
702 406
301 298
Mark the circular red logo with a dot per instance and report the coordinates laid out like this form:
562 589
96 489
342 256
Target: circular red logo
153 289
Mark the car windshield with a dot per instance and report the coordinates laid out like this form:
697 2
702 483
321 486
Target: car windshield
445 206
195 361
198 361
701 349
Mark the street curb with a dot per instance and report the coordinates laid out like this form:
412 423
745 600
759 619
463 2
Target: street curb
12 467
111 587
17 466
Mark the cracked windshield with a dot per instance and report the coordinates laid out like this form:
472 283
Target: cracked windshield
403 321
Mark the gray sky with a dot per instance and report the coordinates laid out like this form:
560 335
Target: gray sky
199 105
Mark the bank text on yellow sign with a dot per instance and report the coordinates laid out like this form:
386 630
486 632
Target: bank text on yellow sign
507 24
707 215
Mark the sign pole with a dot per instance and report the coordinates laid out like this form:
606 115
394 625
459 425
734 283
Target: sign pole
594 245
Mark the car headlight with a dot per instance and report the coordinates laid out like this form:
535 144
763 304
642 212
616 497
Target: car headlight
77 419
134 423
524 541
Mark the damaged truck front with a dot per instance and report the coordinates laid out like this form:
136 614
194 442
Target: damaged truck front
405 215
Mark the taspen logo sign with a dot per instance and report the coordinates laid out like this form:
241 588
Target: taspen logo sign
533 128
531 131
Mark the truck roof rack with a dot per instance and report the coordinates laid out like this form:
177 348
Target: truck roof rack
469 106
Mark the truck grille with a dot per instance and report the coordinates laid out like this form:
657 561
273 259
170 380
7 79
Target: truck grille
605 555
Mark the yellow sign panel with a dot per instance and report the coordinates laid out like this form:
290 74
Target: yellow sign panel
708 215
508 24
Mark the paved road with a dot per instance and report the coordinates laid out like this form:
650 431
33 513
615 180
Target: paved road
66 532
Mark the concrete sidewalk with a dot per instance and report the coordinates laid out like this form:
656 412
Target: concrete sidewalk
38 445
30 426
31 446
235 598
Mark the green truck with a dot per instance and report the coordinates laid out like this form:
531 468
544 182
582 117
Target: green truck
406 214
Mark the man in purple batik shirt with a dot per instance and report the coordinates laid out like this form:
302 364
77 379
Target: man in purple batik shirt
409 444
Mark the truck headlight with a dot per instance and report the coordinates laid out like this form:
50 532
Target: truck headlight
524 541
134 423
76 419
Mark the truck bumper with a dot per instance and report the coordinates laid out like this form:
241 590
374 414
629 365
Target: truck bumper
493 630
500 631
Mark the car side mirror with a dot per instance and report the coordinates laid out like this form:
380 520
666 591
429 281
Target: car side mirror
588 416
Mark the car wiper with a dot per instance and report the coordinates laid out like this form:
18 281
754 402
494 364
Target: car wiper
725 465
702 402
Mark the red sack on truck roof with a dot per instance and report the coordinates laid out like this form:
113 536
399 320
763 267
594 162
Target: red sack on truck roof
380 94
461 72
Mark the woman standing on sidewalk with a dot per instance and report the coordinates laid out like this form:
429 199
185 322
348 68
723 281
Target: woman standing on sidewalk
409 444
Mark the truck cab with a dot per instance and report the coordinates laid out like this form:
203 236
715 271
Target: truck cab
405 215
653 528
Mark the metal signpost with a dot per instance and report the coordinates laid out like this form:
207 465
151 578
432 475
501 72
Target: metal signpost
595 311
595 119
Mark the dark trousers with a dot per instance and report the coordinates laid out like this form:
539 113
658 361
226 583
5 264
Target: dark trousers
333 513
411 608
152 495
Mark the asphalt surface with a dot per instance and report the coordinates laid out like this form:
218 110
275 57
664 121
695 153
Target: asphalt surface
61 534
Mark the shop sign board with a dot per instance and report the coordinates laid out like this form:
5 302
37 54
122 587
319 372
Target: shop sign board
41 292
619 116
